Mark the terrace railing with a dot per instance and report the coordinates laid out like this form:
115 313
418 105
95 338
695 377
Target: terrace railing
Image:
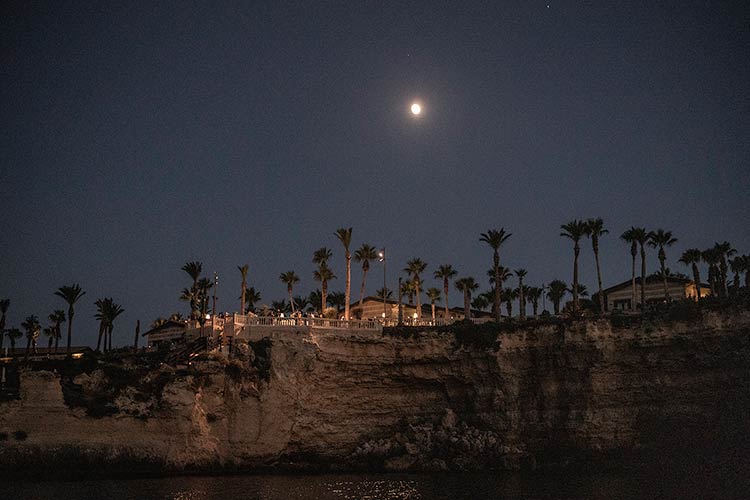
340 324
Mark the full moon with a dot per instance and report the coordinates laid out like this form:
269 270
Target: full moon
416 109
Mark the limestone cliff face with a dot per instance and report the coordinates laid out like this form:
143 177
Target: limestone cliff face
539 396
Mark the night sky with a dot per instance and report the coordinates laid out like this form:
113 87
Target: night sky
135 139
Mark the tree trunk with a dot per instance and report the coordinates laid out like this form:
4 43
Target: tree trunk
348 290
467 310
323 296
419 303
643 278
70 328
445 294
635 293
556 305
521 301
291 300
137 334
99 340
362 288
662 258
576 253
496 301
57 336
433 311
109 334
697 281
599 279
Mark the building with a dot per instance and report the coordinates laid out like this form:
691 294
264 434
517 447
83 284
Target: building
169 331
619 297
374 308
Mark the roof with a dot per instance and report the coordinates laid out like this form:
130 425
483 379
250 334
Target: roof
167 324
651 280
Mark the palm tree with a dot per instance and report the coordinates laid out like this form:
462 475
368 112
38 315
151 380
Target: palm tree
736 265
203 286
338 301
661 239
642 236
407 288
445 272
466 286
57 318
630 236
692 257
301 302
314 301
594 230
364 254
4 304
243 269
521 273
345 237
384 294
582 291
481 301
290 278
321 255
31 325
574 230
251 298
509 295
433 294
49 332
324 275
71 295
415 267
724 250
556 291
13 335
194 270
113 311
534 293
495 238
711 257
101 315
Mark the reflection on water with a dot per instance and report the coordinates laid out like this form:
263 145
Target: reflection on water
445 486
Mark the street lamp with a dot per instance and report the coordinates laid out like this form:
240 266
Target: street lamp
381 258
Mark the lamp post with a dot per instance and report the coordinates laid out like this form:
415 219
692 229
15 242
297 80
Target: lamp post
400 309
213 306
381 258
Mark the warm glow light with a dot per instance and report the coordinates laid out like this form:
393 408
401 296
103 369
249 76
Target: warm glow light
416 109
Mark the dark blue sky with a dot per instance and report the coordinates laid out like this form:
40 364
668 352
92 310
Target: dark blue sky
135 139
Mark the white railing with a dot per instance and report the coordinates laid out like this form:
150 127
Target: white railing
354 324
242 320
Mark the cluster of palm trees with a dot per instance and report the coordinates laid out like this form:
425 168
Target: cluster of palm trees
498 295
197 294
107 312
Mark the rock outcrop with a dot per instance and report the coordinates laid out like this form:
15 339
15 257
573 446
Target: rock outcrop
540 396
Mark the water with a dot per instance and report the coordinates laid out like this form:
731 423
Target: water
448 486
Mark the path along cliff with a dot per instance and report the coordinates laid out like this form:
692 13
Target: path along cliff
550 394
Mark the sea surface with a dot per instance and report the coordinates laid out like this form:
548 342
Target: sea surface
447 486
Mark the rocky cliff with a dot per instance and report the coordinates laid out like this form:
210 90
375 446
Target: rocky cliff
542 395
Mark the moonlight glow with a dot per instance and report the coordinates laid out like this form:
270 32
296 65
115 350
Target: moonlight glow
416 109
